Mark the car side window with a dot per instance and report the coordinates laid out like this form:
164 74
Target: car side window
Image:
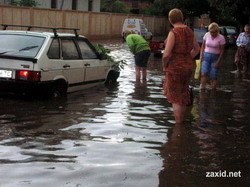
69 50
86 51
54 50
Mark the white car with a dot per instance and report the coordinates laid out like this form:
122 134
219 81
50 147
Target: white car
51 63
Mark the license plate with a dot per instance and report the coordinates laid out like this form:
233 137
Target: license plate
5 74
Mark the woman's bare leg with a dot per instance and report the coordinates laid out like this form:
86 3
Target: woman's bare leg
179 112
144 73
203 81
214 84
138 73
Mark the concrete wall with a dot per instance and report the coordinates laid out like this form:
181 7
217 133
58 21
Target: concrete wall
96 5
91 24
83 6
67 5
44 4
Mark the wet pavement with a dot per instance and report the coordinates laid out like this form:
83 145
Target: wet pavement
125 135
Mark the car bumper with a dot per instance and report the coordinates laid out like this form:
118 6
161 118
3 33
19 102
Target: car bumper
25 87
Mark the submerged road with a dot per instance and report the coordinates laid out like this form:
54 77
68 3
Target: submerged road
125 135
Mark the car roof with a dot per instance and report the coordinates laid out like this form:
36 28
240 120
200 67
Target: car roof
229 26
133 19
39 33
200 28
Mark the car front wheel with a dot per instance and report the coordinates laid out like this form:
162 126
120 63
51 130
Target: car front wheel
112 77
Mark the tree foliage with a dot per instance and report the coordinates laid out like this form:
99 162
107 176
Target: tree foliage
189 7
230 12
31 3
113 6
118 6
193 8
235 12
117 64
158 7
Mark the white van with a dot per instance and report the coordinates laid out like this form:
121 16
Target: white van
136 26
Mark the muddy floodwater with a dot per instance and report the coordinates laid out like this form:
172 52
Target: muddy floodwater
124 135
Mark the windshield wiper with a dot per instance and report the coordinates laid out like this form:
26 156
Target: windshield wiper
28 48
1 53
23 49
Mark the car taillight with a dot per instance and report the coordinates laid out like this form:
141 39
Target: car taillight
28 75
235 37
154 45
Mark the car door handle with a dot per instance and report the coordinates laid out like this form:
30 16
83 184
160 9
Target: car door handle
66 66
87 64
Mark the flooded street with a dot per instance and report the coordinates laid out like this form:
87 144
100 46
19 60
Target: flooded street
125 135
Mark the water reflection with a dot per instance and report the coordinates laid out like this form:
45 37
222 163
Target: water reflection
97 136
175 152
124 135
213 138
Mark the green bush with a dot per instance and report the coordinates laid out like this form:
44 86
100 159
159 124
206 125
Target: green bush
104 52
31 3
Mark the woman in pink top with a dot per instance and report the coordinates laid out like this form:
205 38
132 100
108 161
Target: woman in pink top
211 53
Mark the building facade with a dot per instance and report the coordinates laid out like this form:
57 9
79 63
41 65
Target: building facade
82 5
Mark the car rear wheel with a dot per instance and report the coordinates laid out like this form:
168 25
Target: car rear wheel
59 89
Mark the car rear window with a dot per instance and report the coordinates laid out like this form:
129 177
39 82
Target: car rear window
231 31
20 45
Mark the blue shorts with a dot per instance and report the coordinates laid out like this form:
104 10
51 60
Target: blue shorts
141 58
207 66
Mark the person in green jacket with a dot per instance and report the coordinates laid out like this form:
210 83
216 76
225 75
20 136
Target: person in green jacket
141 50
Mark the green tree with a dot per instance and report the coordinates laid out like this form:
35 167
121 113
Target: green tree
31 3
13 2
190 8
230 12
119 7
105 5
158 8
113 6
235 12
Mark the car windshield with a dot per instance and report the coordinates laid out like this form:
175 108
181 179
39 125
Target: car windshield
231 30
20 45
199 33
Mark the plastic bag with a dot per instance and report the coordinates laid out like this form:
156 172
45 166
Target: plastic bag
197 69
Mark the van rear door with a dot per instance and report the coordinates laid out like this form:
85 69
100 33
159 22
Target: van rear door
131 25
